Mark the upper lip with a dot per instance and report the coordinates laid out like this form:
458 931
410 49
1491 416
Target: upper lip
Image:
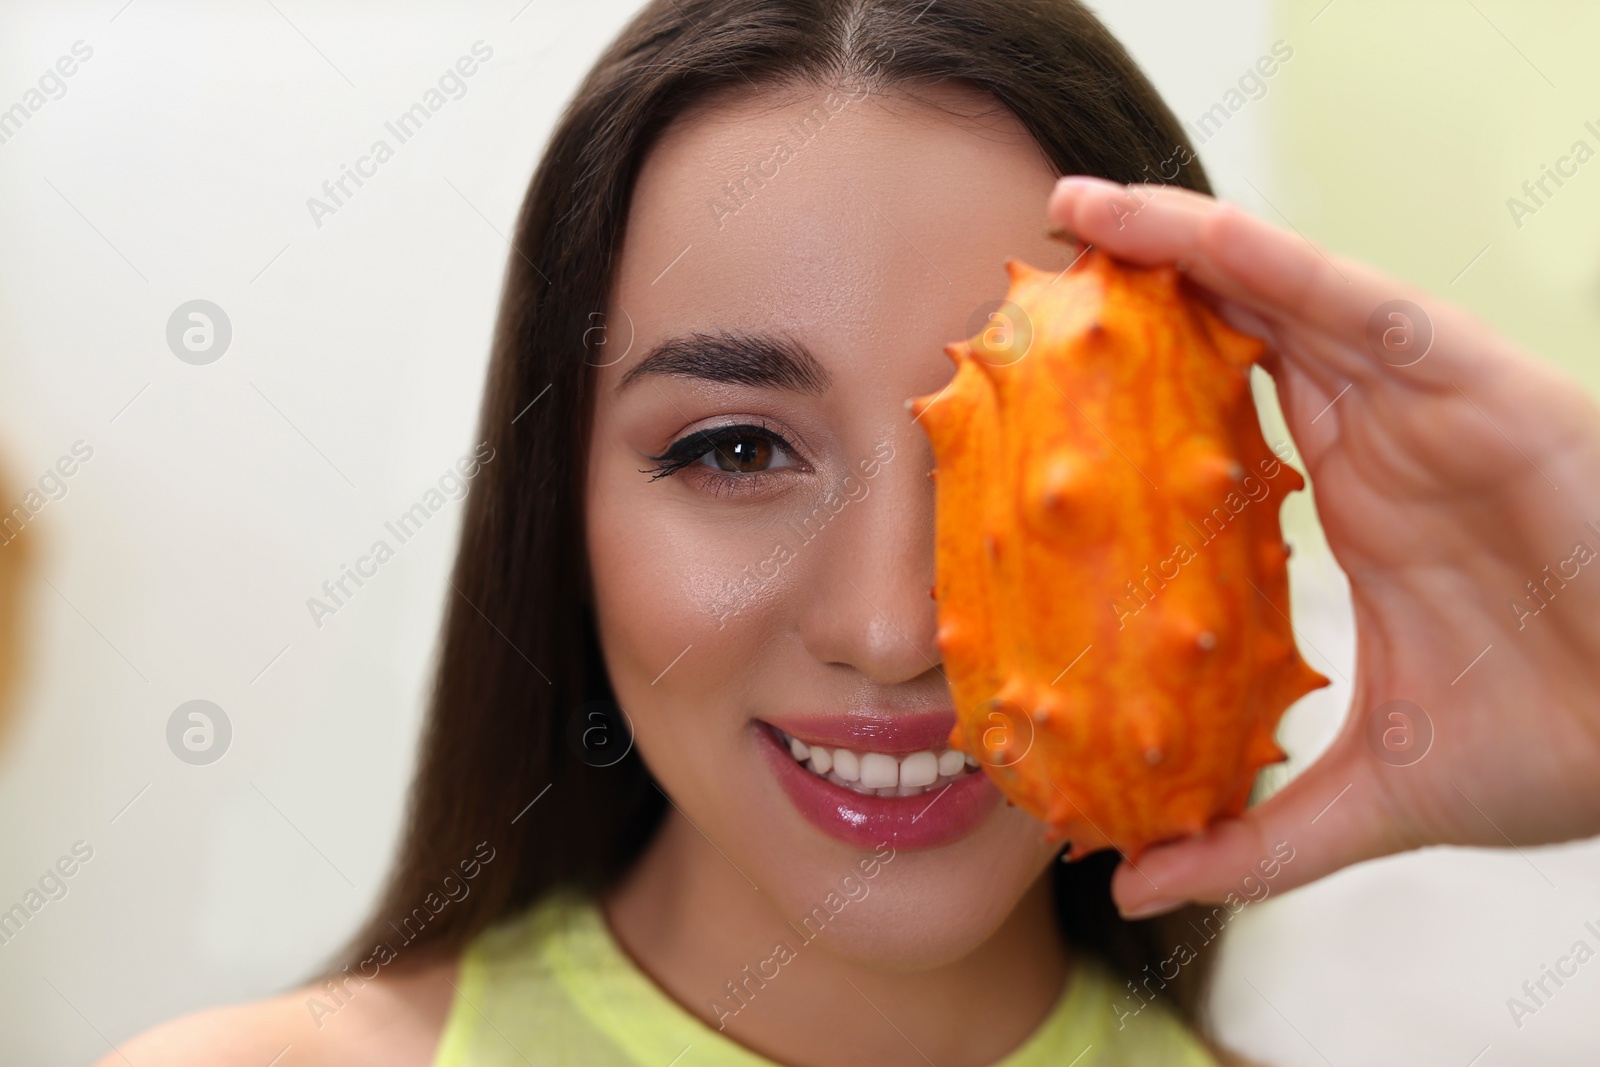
893 733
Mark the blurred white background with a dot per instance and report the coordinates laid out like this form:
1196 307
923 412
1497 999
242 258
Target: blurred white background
175 164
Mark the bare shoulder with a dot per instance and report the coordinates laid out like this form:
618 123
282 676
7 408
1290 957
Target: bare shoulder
395 1019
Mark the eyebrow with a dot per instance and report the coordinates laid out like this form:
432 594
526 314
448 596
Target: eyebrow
761 360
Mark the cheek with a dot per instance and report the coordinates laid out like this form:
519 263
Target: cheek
682 605
652 590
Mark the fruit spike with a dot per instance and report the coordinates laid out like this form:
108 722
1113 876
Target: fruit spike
1111 576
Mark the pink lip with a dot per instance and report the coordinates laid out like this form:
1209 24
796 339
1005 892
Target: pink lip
897 735
928 820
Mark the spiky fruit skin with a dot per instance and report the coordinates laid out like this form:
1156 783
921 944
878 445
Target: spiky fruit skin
1106 503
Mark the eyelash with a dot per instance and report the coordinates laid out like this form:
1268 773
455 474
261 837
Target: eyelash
691 448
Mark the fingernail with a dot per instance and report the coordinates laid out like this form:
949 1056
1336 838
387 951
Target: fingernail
1151 908
1081 181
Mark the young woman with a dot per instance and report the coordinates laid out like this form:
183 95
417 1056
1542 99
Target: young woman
691 641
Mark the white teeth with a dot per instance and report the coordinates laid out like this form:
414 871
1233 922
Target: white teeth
879 771
919 769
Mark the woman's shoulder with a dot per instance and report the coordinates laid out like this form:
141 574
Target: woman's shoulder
395 1019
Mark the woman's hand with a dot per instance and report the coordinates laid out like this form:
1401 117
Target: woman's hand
1450 470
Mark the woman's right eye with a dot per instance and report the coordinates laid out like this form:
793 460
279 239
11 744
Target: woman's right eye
742 454
736 451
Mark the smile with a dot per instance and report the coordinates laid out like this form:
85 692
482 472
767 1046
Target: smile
881 773
867 778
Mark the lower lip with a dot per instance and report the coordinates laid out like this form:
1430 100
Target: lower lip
926 820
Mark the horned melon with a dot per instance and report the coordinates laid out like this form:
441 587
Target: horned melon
1111 576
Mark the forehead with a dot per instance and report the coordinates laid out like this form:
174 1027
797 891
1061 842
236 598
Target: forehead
845 220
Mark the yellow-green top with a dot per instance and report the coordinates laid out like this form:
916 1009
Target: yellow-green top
552 986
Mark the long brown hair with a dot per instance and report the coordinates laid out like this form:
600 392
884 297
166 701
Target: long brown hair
503 770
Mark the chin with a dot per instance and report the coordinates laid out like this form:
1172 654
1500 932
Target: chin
932 909
908 875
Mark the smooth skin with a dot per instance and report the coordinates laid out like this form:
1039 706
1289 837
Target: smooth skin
1444 487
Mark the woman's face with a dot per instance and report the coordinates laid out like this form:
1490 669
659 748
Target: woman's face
760 515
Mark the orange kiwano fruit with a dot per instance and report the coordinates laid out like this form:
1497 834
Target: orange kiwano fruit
1112 585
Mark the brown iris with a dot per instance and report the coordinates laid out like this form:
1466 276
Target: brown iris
743 455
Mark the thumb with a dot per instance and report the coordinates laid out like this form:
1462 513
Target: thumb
1332 815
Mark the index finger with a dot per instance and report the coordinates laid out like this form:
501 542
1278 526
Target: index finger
1271 271
1288 280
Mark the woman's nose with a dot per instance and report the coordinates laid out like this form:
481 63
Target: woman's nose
867 600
